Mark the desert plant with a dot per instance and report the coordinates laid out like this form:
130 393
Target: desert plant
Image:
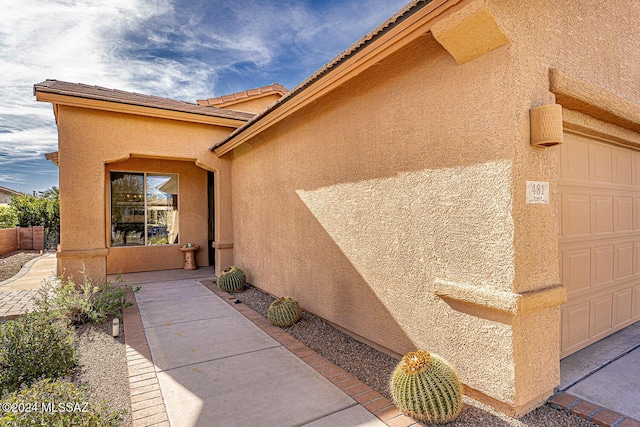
34 346
425 387
284 312
56 403
232 279
86 302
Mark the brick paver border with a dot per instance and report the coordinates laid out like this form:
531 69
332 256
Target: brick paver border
13 304
590 411
370 399
147 404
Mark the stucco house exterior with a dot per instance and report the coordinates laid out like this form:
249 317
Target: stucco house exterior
409 191
6 194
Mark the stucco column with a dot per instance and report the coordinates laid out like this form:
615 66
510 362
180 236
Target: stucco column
82 210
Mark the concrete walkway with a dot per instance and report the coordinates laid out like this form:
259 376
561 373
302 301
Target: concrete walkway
18 293
601 382
216 367
218 363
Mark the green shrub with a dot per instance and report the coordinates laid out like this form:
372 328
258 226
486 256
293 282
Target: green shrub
8 217
55 404
32 347
84 303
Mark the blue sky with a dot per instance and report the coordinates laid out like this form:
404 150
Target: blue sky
181 49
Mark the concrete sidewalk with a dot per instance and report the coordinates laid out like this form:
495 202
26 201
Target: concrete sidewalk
216 366
601 382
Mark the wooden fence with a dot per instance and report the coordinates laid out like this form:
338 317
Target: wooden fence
21 238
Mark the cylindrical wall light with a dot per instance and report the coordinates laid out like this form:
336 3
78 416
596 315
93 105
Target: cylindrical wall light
546 125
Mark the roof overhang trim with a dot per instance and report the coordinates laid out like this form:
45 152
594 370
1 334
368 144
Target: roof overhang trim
117 107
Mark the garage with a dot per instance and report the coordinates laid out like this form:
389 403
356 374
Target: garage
599 239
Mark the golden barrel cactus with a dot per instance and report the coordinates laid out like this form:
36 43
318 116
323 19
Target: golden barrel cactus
232 279
284 312
425 387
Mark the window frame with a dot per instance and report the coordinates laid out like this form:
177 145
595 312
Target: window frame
144 190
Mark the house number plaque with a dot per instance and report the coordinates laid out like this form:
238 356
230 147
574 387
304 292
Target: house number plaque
537 192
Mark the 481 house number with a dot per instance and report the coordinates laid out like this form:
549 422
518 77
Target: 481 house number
537 192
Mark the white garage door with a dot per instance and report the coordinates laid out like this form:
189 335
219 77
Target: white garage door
599 242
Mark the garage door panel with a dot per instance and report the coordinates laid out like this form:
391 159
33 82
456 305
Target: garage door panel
602 217
576 270
602 265
636 258
635 156
599 239
602 317
623 214
600 165
576 214
636 213
622 166
623 300
636 302
575 324
575 160
623 260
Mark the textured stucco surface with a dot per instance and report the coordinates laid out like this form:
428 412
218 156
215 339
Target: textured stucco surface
89 140
415 172
391 181
593 41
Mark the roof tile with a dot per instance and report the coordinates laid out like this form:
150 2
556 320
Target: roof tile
113 95
273 88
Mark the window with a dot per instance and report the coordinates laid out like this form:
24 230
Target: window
144 209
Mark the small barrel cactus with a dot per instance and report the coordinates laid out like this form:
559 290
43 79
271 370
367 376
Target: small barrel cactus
425 387
284 312
232 279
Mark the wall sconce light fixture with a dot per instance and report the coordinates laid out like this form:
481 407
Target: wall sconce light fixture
546 125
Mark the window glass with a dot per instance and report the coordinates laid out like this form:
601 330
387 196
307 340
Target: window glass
162 209
144 209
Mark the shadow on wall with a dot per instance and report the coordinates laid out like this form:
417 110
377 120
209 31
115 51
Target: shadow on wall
400 233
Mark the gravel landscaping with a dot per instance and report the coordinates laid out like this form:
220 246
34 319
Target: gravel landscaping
374 368
103 366
11 263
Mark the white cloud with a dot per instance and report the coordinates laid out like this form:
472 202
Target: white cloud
175 48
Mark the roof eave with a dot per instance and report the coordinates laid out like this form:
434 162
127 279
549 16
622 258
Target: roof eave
385 40
56 99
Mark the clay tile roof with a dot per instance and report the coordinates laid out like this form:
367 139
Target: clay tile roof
118 96
264 90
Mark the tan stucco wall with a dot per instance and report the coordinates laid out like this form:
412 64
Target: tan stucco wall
410 181
590 40
396 179
193 214
595 41
90 139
